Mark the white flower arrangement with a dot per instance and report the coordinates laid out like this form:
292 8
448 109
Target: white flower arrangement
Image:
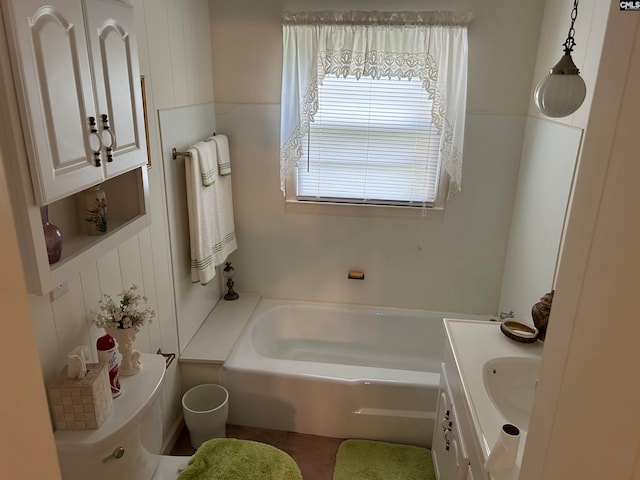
130 312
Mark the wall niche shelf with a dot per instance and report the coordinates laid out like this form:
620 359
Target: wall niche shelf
126 216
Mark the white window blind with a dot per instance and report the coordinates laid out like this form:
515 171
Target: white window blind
371 141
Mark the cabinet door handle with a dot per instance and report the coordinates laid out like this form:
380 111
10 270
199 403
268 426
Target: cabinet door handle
105 127
445 424
93 131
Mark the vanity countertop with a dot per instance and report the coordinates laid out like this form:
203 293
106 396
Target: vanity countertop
473 343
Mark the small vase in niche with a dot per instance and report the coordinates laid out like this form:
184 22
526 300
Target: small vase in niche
52 236
94 210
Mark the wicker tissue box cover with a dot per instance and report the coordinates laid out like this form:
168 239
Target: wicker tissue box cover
81 404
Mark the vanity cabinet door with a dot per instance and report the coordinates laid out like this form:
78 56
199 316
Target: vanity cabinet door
458 460
53 76
111 38
450 460
439 447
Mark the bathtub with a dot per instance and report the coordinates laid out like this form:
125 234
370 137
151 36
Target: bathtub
338 370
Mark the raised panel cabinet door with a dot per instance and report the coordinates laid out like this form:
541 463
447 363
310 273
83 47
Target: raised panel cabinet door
440 437
53 76
111 34
457 468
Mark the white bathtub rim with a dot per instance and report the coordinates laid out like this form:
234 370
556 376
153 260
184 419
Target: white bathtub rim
358 377
264 302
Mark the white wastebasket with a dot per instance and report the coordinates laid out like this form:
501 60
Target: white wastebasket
205 408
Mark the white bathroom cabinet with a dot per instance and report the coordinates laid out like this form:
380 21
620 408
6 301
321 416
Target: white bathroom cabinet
72 108
470 422
456 444
76 71
450 452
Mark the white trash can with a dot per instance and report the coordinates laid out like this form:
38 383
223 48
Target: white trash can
205 408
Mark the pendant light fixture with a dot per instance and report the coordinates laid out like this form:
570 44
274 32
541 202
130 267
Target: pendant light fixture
562 91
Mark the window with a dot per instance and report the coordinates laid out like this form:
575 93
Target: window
373 106
371 141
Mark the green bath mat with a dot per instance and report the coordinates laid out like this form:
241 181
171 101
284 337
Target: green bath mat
369 460
233 459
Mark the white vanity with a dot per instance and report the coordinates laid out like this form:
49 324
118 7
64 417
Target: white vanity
487 381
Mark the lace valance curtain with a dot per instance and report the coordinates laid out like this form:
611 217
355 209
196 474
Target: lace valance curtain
431 46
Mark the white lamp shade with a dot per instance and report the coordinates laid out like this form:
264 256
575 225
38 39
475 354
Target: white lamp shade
559 95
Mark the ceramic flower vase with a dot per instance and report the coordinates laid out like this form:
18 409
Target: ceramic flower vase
94 211
130 364
52 236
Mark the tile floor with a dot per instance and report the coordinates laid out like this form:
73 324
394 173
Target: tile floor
314 455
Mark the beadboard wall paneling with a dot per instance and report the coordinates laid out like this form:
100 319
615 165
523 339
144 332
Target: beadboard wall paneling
91 294
179 51
149 278
71 319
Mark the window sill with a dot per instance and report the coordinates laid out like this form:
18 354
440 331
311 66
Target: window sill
353 210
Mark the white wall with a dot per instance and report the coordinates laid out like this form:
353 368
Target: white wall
545 177
452 264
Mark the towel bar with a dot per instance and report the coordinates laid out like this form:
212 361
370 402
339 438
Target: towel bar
175 153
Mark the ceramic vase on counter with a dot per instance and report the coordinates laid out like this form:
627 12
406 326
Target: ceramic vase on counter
94 210
52 236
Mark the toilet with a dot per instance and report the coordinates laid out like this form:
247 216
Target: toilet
128 444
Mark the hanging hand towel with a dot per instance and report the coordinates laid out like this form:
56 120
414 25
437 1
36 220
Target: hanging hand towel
201 204
226 242
208 165
222 148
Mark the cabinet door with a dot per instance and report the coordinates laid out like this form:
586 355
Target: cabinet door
111 33
54 78
440 442
458 465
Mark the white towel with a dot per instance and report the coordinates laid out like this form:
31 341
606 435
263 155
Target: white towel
208 165
211 224
202 226
226 243
222 147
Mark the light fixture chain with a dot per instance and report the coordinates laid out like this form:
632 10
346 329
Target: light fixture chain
570 42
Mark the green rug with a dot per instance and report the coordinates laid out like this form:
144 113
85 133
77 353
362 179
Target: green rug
369 460
233 459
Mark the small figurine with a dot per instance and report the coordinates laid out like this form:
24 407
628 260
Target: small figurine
540 313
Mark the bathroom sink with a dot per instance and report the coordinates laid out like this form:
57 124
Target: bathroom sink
511 383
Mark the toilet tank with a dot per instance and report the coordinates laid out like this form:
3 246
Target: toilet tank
134 425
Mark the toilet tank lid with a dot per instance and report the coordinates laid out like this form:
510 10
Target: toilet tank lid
138 393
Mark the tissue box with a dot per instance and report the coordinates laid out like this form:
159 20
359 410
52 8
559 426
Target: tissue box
81 404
